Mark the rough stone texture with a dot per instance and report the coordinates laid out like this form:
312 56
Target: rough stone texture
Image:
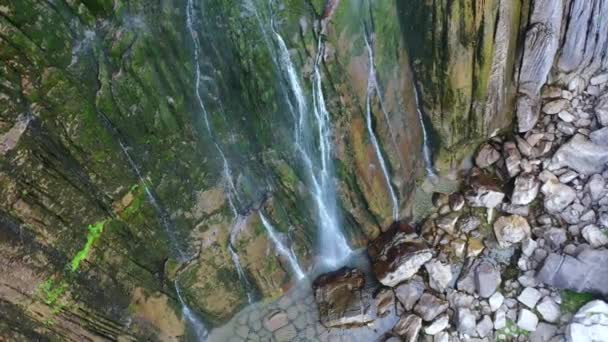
408 327
476 70
486 156
339 298
585 40
557 196
511 229
585 272
397 254
484 192
409 292
529 297
526 189
429 307
540 48
549 310
465 321
440 275
590 323
527 320
487 279
582 155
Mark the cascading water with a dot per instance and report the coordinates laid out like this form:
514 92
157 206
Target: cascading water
426 144
333 247
237 261
233 195
231 189
371 88
287 253
197 326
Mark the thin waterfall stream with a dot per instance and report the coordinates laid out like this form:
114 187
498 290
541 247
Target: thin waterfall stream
196 324
371 88
426 144
333 247
233 195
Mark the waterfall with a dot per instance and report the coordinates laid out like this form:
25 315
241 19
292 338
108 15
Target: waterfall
199 329
194 322
333 247
282 250
232 193
371 87
236 260
426 144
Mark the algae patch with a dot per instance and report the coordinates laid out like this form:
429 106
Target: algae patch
94 233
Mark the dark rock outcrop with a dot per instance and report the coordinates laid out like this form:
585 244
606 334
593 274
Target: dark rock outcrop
397 254
340 300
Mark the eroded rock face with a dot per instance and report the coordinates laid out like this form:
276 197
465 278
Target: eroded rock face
540 47
397 254
339 298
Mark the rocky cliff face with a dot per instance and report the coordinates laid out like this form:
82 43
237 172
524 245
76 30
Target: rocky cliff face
113 190
464 54
140 142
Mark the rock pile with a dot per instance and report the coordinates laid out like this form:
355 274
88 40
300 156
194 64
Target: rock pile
502 259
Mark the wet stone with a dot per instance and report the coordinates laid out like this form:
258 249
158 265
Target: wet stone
285 334
275 320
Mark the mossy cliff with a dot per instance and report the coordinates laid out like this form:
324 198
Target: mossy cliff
464 54
108 172
113 183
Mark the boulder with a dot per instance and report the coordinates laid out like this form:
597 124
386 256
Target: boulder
485 191
447 222
596 187
339 298
525 190
600 136
529 297
440 275
527 320
439 325
409 292
557 196
549 310
385 302
585 272
594 236
486 156
598 79
429 307
408 327
511 229
527 112
581 155
397 254
465 321
589 324
485 326
556 106
601 111
487 279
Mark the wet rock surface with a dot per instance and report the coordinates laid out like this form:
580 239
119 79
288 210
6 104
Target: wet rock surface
339 298
397 254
